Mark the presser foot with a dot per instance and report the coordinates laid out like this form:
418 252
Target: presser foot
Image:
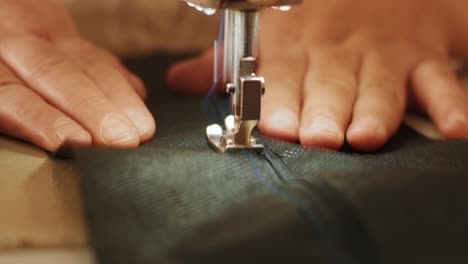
223 140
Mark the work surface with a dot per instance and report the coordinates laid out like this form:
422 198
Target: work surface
41 217
42 208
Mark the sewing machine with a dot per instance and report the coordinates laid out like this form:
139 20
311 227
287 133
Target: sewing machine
241 23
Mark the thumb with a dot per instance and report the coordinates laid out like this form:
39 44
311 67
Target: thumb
192 76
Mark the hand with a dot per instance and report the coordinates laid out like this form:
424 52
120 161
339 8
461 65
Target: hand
345 70
56 88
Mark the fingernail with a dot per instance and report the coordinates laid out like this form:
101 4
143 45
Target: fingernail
143 123
367 125
325 126
283 120
322 132
116 130
79 139
69 131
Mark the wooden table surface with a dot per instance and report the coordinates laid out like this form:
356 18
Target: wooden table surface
41 217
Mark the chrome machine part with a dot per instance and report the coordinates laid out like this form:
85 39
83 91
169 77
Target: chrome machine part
242 4
241 21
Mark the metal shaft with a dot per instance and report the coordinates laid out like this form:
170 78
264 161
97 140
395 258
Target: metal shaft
240 41
240 52
241 45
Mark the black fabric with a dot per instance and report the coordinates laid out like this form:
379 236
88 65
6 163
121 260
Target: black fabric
174 200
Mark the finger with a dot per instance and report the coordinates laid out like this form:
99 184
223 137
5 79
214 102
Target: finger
135 82
192 76
438 92
281 103
64 85
381 101
79 47
25 115
115 86
283 67
329 94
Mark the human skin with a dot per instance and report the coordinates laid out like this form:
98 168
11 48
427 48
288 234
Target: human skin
336 71
346 71
57 88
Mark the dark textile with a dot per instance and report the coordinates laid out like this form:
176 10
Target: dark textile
176 201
